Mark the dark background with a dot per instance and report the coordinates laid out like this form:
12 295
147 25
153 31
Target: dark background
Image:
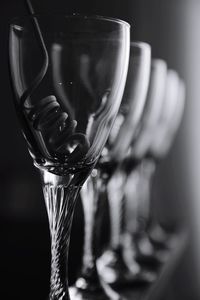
172 29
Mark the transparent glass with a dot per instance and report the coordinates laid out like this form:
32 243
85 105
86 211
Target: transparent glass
120 255
68 75
90 283
148 242
160 147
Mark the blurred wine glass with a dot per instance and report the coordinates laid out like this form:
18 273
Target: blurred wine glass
89 284
118 267
148 243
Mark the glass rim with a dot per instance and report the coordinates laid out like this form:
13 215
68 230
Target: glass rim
140 44
158 61
73 15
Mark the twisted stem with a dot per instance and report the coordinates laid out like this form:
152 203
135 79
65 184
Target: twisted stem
60 193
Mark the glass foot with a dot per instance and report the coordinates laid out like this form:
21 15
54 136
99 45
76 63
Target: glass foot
103 293
115 272
148 255
162 239
93 288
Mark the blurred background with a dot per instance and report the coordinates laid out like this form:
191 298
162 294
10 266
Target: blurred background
172 29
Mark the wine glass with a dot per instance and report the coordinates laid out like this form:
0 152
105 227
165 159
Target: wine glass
149 250
159 149
118 267
68 74
89 284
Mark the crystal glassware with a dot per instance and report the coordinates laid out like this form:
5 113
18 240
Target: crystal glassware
119 257
136 189
122 133
89 284
160 147
143 243
68 75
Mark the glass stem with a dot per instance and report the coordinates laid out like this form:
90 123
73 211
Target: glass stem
147 170
115 193
132 202
60 193
137 195
136 215
90 194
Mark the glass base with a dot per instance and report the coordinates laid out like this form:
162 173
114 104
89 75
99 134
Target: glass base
162 239
102 293
148 255
115 272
